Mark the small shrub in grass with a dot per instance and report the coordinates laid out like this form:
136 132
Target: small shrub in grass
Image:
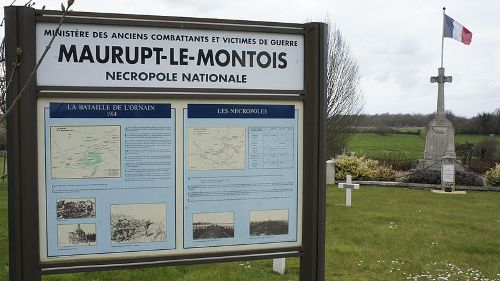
493 175
424 176
361 168
468 178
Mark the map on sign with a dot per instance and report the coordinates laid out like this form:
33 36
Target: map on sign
216 148
85 152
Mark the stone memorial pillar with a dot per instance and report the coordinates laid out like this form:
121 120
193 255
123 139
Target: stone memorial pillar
440 139
330 172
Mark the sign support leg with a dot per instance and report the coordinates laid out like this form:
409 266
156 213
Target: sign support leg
312 266
23 199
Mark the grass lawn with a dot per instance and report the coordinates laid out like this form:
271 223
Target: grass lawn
409 146
2 168
388 234
4 237
391 234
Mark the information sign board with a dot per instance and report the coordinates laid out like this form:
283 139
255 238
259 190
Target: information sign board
448 173
149 141
109 177
240 169
109 184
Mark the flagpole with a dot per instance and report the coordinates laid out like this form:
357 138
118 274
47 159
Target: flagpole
442 39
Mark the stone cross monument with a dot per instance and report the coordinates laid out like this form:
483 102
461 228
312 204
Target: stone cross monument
439 151
440 140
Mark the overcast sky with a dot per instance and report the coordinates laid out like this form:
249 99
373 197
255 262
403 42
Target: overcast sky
397 43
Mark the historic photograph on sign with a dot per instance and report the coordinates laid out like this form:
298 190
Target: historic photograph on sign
85 152
213 225
216 148
138 223
75 208
268 222
72 235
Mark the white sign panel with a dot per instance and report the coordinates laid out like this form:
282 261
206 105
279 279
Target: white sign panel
119 56
448 173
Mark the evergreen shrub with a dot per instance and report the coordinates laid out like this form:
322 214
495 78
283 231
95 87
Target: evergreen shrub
362 168
493 175
468 179
424 176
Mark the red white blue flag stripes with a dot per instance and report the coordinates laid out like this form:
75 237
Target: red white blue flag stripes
453 29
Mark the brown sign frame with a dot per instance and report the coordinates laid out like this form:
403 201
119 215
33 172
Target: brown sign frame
24 256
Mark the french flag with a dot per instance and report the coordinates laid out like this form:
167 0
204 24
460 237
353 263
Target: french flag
455 30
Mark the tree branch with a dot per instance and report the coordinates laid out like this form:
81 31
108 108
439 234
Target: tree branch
39 62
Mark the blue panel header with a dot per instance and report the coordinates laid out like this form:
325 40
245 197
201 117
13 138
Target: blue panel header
109 110
241 111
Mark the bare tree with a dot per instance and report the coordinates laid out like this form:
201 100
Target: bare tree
3 69
3 77
6 82
345 100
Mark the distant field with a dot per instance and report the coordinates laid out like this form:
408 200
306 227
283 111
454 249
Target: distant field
473 138
389 234
373 144
411 146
